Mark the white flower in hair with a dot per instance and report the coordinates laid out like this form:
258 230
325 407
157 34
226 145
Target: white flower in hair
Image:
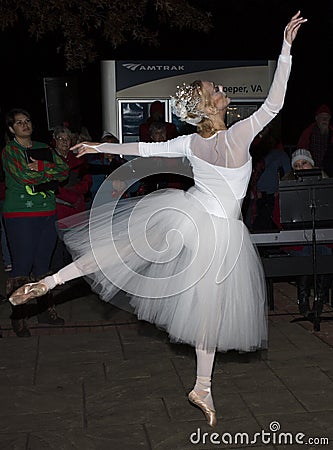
184 104
182 112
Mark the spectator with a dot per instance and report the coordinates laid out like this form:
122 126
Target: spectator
318 139
158 132
271 163
83 135
156 115
30 213
7 261
72 193
126 185
100 166
115 161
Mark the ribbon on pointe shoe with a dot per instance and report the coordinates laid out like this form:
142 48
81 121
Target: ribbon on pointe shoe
27 292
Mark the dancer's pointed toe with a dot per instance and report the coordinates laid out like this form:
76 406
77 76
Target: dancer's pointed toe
209 413
27 292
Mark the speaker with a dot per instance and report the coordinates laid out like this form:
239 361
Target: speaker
62 102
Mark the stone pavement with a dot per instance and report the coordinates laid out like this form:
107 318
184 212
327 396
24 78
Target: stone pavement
106 381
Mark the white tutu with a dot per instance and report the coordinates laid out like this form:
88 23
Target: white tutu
196 275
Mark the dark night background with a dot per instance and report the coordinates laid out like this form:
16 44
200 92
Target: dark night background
243 30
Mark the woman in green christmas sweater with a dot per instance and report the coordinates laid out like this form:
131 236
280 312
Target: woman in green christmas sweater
32 170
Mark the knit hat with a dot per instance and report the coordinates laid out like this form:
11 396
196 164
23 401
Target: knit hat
323 109
301 153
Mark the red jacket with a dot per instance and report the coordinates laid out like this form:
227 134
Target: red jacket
73 192
171 130
304 139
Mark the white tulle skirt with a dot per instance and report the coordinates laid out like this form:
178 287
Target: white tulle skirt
196 275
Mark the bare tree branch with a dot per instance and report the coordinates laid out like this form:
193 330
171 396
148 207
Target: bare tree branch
76 26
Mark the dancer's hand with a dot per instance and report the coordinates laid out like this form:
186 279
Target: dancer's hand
84 147
293 27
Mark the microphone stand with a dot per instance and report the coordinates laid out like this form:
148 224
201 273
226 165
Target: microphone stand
316 305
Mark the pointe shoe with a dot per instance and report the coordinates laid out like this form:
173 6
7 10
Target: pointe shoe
209 413
27 292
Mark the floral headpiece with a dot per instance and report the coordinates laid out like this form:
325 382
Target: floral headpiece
184 104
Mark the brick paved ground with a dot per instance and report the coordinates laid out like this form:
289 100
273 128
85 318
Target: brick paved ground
106 381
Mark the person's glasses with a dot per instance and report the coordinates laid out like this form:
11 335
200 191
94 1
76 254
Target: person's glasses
63 139
21 123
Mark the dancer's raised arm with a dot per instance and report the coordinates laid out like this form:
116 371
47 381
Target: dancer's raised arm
242 133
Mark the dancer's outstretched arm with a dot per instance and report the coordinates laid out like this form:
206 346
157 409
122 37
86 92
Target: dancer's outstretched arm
129 148
177 147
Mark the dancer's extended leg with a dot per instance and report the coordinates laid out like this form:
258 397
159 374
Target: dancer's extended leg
33 290
65 274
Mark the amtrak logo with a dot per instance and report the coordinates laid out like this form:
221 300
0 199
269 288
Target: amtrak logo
131 66
153 67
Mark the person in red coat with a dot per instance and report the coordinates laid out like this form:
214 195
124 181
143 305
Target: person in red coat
318 139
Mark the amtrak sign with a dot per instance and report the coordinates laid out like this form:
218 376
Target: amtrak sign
159 78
